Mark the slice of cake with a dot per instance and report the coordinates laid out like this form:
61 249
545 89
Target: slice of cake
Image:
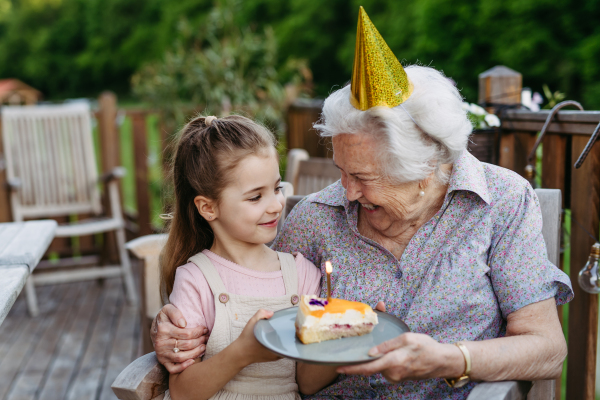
320 320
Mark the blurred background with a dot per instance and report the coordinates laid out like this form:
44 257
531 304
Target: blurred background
77 48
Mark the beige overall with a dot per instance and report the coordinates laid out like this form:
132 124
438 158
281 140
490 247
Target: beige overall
271 380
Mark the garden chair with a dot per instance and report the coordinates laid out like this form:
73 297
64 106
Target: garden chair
51 172
309 175
146 379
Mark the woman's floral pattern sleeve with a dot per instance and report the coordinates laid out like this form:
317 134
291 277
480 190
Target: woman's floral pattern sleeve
297 234
520 271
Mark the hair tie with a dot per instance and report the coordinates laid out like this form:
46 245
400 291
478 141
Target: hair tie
209 120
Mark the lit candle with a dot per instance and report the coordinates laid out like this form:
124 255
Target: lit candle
329 270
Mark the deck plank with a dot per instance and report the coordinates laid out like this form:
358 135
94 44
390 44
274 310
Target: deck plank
88 381
85 335
72 345
29 380
122 345
23 345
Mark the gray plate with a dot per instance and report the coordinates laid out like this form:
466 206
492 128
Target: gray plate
278 334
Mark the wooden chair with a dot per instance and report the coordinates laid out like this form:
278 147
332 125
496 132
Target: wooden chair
309 175
51 172
146 379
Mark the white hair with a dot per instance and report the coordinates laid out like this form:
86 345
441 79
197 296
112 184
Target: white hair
409 153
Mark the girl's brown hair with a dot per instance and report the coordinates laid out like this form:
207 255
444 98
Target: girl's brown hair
207 151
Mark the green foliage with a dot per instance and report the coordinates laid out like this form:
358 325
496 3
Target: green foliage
79 47
553 98
219 66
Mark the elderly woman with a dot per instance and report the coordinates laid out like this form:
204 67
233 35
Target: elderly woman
418 226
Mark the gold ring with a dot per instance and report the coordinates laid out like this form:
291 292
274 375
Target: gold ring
175 349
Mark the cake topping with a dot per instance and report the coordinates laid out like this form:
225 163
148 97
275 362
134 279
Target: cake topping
318 302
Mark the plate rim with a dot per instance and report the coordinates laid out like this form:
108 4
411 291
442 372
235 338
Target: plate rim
397 320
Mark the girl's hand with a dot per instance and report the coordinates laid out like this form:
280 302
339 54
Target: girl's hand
250 349
411 356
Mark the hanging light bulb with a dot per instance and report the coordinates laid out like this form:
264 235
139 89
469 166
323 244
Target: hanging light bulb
588 276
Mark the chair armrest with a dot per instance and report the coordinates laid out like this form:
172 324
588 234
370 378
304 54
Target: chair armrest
143 379
115 173
507 390
14 184
291 201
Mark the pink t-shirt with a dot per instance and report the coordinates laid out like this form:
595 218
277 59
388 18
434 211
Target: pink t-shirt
193 297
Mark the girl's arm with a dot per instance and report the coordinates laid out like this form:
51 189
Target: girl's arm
203 379
312 378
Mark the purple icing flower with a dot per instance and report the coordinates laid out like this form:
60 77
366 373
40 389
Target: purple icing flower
318 302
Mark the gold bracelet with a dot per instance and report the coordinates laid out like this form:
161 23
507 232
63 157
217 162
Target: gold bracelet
465 377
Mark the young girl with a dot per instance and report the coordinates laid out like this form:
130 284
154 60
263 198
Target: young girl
216 267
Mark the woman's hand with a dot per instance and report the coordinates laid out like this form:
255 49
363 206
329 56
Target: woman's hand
169 325
249 348
411 356
534 349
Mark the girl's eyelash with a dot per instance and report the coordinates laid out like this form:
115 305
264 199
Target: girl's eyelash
277 189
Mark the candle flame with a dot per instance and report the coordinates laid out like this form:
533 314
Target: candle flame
328 267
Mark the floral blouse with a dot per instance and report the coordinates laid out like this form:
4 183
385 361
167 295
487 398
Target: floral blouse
480 258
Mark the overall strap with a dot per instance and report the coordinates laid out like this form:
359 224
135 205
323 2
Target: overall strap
289 272
210 273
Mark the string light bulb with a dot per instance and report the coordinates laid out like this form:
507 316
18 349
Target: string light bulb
588 279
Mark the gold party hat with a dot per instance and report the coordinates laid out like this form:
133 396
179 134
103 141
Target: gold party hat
378 78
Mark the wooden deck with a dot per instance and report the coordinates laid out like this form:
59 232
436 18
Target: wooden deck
85 335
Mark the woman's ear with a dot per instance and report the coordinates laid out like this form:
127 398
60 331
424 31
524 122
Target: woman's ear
206 207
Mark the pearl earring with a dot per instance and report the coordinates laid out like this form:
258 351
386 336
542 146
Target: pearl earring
421 193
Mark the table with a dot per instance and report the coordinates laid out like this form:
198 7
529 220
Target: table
22 245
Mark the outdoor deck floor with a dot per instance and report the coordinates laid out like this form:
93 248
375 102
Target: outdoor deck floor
85 335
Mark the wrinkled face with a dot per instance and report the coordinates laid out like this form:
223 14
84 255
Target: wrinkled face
383 203
251 205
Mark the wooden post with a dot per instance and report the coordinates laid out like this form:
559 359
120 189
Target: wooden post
583 310
556 174
497 86
110 156
301 116
140 154
5 213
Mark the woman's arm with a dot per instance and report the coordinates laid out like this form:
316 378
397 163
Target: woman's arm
203 379
534 348
312 378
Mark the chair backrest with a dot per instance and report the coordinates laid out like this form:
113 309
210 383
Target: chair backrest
310 175
551 206
50 155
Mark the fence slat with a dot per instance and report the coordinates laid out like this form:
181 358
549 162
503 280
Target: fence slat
140 152
110 156
583 310
556 161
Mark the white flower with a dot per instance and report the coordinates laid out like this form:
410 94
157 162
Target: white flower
475 109
466 106
492 120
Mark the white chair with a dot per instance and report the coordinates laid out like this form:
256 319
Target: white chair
309 175
51 172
